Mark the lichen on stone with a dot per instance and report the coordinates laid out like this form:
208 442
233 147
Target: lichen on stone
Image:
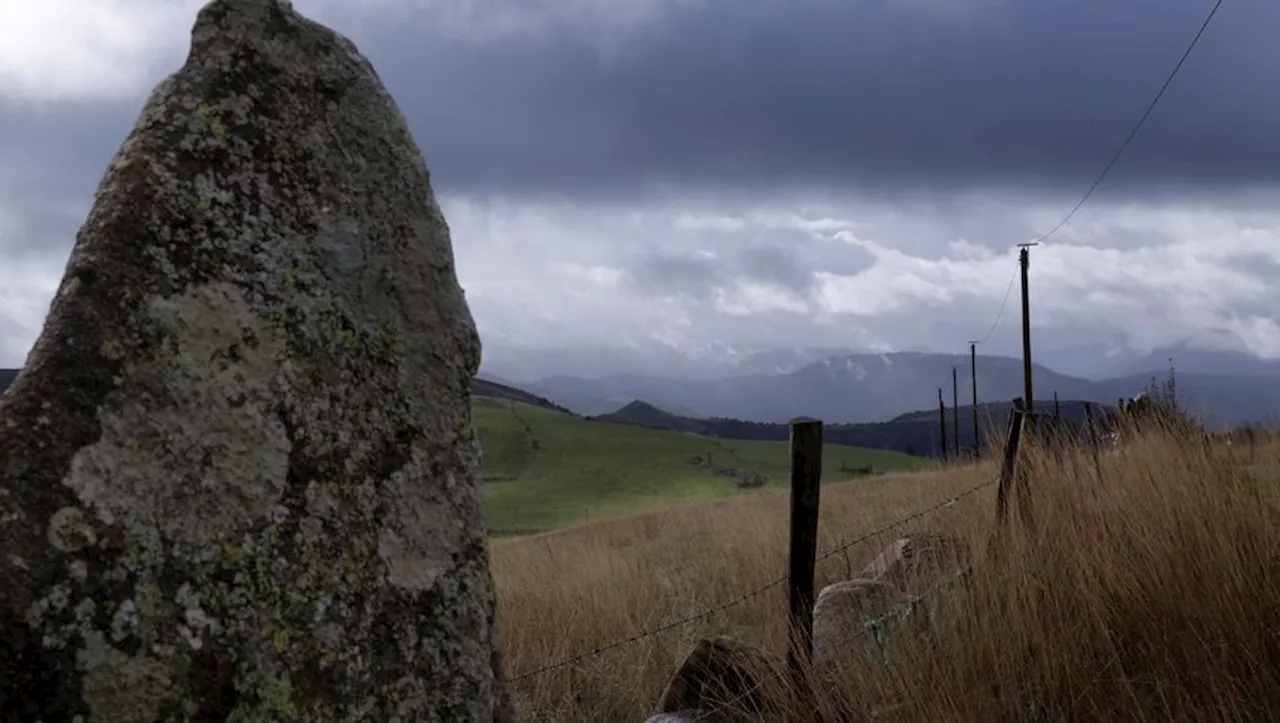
238 477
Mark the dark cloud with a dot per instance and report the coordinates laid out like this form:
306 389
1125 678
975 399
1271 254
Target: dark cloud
700 275
776 267
665 272
1263 266
884 95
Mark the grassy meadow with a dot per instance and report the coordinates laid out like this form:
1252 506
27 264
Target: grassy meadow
1150 592
546 470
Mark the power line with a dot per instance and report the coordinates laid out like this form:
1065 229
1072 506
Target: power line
1012 277
1129 139
1110 164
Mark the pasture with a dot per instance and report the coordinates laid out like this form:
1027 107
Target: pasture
1150 591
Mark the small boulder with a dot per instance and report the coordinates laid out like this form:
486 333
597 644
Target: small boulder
917 562
848 618
725 681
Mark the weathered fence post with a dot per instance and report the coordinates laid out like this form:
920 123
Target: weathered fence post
955 415
806 473
1092 431
942 422
1007 469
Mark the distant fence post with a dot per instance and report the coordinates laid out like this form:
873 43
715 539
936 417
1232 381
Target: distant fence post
1092 430
1008 468
942 422
806 473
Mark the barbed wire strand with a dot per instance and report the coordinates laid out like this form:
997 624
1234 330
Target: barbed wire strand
949 502
586 655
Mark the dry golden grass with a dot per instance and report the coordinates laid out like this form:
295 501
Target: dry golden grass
1152 593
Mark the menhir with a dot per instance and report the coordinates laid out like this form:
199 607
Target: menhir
237 473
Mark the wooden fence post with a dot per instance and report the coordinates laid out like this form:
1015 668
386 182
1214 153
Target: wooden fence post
1008 468
806 474
942 423
1092 431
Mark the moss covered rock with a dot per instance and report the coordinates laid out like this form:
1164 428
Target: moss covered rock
238 479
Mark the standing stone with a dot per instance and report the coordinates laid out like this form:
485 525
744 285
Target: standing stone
238 479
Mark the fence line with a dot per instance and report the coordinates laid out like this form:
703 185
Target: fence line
947 503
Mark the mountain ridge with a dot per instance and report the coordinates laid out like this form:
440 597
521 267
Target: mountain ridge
915 433
865 388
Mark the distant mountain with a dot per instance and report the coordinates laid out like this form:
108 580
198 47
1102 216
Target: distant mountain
642 414
1205 361
1217 400
772 362
853 388
863 388
521 365
6 378
918 432
1089 360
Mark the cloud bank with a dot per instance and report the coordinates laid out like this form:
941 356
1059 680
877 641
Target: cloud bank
695 174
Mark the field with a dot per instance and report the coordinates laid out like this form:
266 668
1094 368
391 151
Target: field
1150 591
545 470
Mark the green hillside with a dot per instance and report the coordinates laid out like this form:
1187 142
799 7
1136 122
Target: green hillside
544 469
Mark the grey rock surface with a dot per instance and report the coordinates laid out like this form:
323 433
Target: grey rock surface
238 479
917 562
723 680
840 618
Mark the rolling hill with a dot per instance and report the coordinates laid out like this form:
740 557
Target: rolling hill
544 469
502 390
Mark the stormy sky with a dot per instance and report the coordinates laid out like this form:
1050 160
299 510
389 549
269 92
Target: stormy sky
696 174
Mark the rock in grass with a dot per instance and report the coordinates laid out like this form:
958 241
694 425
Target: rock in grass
237 473
723 680
917 562
848 617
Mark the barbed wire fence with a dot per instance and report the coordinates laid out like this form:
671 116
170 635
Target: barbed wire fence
754 592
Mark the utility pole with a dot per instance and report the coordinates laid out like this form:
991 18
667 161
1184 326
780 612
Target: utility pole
973 376
955 415
1024 261
942 422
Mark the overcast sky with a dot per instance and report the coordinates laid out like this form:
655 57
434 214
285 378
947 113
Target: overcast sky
690 173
